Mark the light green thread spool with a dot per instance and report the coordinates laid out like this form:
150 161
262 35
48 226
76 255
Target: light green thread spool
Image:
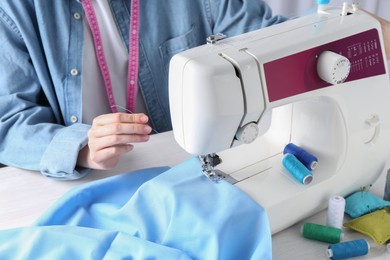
321 233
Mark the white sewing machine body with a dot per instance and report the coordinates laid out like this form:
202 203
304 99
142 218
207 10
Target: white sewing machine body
216 90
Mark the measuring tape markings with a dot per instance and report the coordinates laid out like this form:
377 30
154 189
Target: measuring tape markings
132 80
133 56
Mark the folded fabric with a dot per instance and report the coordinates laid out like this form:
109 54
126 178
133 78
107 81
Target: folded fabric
73 242
147 214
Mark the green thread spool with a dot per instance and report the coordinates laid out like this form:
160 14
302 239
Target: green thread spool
321 233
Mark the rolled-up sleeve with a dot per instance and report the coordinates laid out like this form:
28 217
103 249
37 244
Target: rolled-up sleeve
33 135
61 163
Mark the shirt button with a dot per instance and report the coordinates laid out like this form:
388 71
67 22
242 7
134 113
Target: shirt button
74 72
74 119
76 16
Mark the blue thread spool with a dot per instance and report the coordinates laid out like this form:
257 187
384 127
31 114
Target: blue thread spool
348 249
297 169
307 159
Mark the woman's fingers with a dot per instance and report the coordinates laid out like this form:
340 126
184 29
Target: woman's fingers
112 135
120 118
119 124
119 129
115 140
108 158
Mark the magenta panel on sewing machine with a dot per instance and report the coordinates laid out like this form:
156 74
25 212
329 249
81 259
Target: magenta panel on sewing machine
297 73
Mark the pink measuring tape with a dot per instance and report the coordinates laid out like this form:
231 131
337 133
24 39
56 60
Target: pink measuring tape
132 76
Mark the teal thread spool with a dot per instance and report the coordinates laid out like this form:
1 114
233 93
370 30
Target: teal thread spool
348 249
323 2
297 169
321 233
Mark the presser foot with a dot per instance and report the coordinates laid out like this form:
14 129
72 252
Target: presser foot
217 175
208 168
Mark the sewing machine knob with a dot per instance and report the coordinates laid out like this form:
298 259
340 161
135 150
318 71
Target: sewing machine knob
332 67
248 133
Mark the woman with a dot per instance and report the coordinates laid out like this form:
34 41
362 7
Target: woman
54 111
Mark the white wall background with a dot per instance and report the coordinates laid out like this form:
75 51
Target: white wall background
293 8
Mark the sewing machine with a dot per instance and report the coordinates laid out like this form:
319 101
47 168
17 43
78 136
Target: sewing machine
320 81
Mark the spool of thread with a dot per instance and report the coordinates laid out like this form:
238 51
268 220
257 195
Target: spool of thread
306 158
321 233
322 5
348 249
297 169
355 7
323 2
336 208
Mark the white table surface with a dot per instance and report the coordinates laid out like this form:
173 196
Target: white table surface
25 195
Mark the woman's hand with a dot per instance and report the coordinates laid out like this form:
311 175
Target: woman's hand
110 136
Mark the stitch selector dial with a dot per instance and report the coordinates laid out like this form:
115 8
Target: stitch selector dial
248 133
332 67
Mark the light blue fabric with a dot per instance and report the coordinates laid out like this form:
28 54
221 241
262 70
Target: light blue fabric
178 214
42 41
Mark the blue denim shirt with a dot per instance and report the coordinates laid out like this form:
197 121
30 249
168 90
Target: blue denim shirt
41 68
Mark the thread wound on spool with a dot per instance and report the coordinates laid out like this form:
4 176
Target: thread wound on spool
297 169
323 2
336 208
348 249
321 233
306 158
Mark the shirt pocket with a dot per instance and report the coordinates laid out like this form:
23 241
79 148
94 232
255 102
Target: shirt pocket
177 44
